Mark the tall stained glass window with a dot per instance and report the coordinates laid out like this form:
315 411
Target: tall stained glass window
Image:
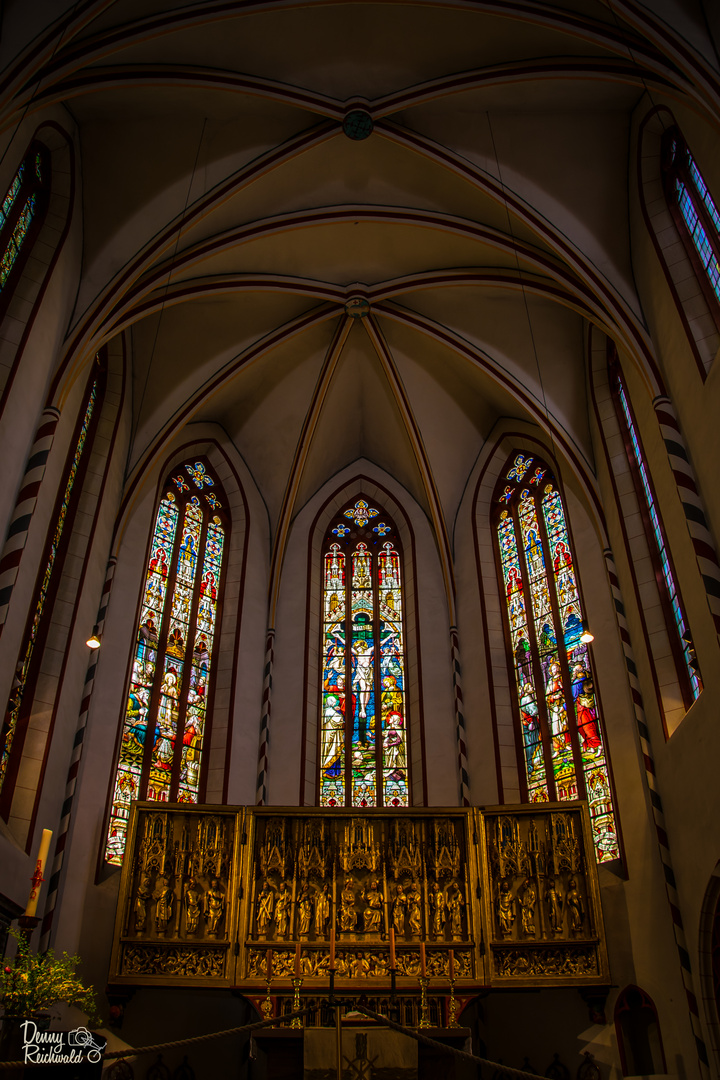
363 714
12 733
686 663
561 732
165 720
21 206
695 212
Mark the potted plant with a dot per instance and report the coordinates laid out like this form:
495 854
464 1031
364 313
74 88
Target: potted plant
30 985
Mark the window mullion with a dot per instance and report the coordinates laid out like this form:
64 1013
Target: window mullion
348 689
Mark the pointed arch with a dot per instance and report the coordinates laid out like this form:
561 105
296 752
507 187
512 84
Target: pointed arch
166 720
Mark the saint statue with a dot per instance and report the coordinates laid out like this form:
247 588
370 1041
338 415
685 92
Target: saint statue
266 901
414 917
373 911
505 910
437 906
282 911
322 911
163 911
554 907
214 905
142 896
193 896
575 908
456 903
348 916
305 912
398 914
527 907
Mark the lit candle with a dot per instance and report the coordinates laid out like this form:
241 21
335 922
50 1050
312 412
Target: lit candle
268 964
38 878
452 964
392 946
332 948
423 965
297 961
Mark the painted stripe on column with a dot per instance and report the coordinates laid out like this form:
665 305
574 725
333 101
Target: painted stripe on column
700 535
24 509
73 769
261 792
459 717
658 815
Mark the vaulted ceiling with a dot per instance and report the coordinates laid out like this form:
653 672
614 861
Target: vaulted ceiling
228 217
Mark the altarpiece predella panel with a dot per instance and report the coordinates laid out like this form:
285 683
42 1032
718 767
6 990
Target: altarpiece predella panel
232 896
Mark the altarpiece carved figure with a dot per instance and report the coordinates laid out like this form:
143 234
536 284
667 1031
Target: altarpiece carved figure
399 908
282 911
414 916
575 907
214 906
164 908
142 897
456 903
437 906
527 907
266 903
373 912
348 915
305 912
505 910
193 898
322 911
554 907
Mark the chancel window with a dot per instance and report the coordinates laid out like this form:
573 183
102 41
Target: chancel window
563 748
20 209
695 212
164 727
363 722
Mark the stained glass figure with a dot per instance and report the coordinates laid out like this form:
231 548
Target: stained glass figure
363 733
661 555
165 719
560 727
12 716
20 206
694 209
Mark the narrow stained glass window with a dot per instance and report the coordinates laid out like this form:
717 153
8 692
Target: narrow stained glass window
698 219
563 748
17 713
363 733
20 206
680 634
164 726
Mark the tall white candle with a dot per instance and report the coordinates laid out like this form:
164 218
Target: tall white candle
39 874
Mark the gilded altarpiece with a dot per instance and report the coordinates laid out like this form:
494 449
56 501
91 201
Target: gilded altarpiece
500 897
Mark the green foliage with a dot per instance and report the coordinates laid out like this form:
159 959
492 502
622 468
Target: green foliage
38 980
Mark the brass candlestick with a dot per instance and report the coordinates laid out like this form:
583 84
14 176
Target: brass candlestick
424 983
296 1022
266 1008
452 1007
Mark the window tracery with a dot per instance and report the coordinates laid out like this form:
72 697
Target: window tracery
563 747
363 733
164 727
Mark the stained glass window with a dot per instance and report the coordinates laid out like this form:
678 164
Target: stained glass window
363 716
20 207
688 667
698 218
16 713
561 732
165 720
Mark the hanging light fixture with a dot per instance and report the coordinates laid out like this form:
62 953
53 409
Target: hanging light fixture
587 635
93 642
